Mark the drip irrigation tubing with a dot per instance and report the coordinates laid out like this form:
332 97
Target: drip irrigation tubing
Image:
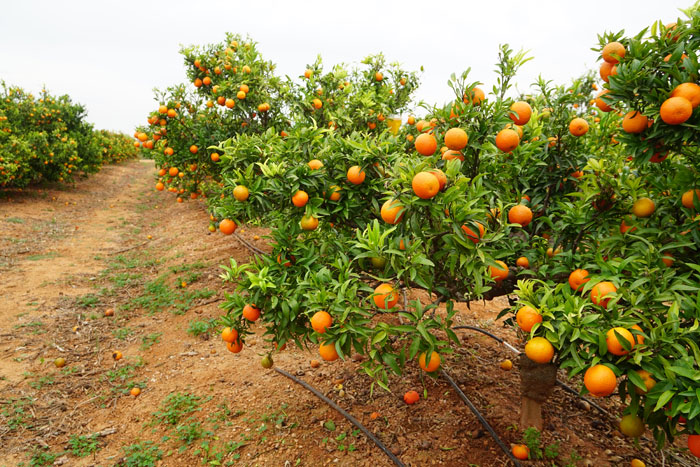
481 418
349 417
561 384
252 248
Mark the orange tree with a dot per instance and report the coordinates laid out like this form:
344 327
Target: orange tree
627 317
47 138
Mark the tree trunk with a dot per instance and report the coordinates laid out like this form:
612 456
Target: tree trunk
536 384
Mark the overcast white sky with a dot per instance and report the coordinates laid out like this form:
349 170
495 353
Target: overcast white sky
109 55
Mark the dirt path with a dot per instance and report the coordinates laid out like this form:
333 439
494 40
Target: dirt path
112 242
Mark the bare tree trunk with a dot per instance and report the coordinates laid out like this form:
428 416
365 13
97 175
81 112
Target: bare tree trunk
536 384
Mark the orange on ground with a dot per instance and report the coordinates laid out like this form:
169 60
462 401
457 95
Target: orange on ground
411 397
539 350
385 297
432 364
600 380
321 321
527 317
520 451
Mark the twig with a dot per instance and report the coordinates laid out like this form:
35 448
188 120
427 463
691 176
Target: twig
127 249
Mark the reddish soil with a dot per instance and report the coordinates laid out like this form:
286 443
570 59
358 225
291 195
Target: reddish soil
112 242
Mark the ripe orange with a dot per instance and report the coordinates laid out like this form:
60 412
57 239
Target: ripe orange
317 103
334 191
356 175
426 144
309 222
308 73
635 122
194 149
473 235
577 278
613 51
523 110
251 312
694 445
241 193
328 352
241 95
117 355
600 290
523 262
135 391
689 197
506 365
230 103
442 178
315 164
385 297
643 207
300 198
539 350
675 110
456 139
600 103
390 212
520 214
690 91
450 154
606 70
507 140
321 321
411 397
227 226
229 335
433 362
649 382
173 171
527 317
615 347
578 127
477 96
160 186
499 273
235 346
520 451
378 76
425 185
631 425
600 380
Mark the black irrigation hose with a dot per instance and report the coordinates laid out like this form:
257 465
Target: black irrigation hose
349 417
564 386
483 421
252 248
